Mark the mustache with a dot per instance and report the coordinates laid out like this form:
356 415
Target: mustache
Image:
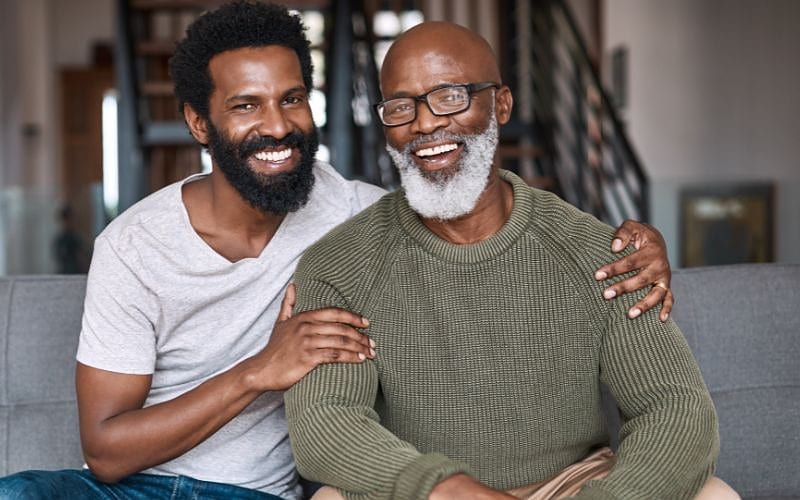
439 135
256 144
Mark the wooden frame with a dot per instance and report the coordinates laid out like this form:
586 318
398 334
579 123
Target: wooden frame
727 224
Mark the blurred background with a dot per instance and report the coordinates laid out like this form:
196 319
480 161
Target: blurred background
682 113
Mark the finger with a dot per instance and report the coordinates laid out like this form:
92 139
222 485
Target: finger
650 300
336 315
325 356
288 303
666 306
623 235
650 270
631 284
342 343
624 265
337 330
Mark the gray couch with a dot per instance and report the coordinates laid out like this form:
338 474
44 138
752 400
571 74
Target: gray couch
742 323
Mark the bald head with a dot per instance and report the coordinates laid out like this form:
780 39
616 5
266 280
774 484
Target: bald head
430 47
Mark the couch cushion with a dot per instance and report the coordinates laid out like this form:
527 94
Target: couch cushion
40 319
743 327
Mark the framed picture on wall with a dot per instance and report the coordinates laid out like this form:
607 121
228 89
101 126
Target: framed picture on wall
727 224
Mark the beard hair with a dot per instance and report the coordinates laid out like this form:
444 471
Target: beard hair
453 192
277 194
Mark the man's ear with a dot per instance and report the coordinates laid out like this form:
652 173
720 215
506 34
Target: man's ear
504 102
198 125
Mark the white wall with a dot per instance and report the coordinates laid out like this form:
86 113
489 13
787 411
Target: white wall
37 38
714 96
29 128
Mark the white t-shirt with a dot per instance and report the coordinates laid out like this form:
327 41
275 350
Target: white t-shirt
160 301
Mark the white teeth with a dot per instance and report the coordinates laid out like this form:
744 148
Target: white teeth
436 150
274 156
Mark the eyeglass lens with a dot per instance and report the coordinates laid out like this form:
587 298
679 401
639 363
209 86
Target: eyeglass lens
443 101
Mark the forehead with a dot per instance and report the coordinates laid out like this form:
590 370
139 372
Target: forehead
255 69
413 72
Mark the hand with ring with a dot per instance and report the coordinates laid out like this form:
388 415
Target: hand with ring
649 261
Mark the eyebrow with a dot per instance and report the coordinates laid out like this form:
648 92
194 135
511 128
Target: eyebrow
250 97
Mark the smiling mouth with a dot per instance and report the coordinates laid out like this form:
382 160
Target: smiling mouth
274 156
436 150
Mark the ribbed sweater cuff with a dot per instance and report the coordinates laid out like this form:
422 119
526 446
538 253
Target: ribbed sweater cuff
420 476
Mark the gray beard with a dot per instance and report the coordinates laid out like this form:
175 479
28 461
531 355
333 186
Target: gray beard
448 195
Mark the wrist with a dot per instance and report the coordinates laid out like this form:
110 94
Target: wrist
253 376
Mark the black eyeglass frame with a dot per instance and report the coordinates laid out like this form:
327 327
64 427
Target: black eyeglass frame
471 88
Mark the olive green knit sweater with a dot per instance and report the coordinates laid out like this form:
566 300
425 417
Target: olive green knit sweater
488 361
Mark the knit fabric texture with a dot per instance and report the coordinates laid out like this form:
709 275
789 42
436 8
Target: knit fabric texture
489 358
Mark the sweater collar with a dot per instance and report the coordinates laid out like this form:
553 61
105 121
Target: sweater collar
487 249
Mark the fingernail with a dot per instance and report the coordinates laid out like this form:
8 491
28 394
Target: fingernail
634 313
616 245
372 352
365 320
600 275
609 293
361 356
371 343
665 317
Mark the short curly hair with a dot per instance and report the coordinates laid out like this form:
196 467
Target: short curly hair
232 26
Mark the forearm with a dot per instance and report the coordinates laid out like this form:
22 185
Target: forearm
662 455
137 439
669 442
338 440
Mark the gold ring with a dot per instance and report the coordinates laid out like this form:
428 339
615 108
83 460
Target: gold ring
661 285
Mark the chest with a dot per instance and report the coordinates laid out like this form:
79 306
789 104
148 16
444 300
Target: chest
493 328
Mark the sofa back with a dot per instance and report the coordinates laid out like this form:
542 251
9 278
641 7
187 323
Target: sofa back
40 318
743 325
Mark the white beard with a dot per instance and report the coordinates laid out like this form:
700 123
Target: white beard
446 196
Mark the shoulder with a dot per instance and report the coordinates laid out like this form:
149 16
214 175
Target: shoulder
154 213
563 228
155 227
332 189
354 244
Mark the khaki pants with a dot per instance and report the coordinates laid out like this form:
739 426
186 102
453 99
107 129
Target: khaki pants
569 481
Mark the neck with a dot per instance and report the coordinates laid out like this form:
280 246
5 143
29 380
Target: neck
226 222
487 218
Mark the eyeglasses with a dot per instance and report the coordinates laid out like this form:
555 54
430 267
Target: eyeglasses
442 101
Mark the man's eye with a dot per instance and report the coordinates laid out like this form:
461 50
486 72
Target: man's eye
456 97
294 99
400 107
248 106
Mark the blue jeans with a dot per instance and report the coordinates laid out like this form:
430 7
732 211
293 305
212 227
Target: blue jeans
81 485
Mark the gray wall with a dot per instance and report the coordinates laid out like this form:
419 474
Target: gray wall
714 97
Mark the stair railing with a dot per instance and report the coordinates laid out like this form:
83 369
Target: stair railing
596 166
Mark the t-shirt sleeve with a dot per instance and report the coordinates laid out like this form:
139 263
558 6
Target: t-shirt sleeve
117 330
365 195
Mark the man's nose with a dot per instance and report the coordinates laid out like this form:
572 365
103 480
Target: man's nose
273 123
426 122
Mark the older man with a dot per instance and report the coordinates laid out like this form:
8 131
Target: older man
492 337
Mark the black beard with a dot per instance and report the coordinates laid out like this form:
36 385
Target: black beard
276 194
